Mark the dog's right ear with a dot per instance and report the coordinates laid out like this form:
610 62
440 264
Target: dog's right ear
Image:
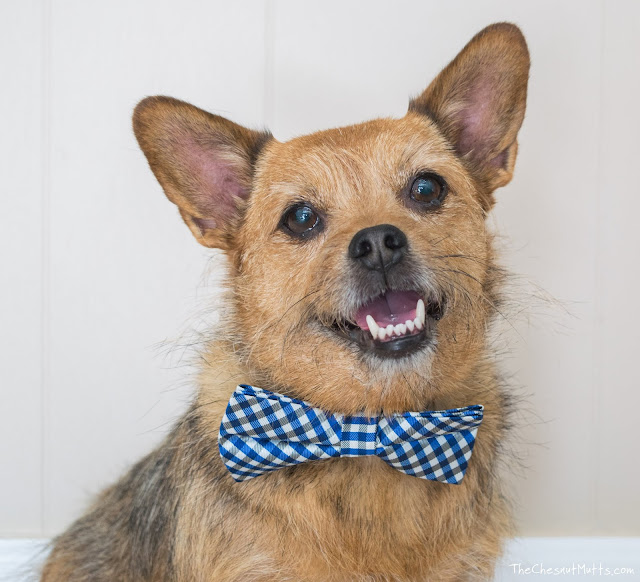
204 163
478 102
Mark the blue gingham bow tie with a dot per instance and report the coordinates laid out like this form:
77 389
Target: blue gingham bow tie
263 431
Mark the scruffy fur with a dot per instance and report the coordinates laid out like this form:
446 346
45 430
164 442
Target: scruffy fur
177 515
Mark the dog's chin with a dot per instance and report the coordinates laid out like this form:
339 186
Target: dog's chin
389 327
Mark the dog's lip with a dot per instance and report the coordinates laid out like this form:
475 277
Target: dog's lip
393 348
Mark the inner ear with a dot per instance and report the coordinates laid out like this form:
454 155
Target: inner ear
478 136
204 163
478 101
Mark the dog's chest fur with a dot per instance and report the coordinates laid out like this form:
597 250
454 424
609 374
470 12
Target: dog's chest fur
178 514
343 519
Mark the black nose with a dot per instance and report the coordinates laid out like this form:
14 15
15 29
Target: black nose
378 248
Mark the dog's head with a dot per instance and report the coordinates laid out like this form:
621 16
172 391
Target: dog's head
362 268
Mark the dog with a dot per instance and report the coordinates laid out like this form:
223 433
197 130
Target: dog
362 283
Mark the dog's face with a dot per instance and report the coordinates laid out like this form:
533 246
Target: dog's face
362 269
359 232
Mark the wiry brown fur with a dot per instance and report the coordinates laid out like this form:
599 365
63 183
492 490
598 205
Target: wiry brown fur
178 515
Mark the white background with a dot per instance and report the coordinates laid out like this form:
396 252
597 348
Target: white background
101 283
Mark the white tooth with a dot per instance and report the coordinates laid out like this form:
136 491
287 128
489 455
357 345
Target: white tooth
410 325
373 326
417 323
382 333
401 329
420 311
389 330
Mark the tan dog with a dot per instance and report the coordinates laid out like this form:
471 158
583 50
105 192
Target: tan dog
318 232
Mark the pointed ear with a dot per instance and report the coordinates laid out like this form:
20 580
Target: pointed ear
478 102
204 163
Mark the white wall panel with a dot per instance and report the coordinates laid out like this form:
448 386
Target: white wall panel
549 217
618 338
124 268
21 266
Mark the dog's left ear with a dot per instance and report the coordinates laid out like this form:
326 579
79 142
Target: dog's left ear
478 102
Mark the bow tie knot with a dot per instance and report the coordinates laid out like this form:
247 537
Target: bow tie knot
263 431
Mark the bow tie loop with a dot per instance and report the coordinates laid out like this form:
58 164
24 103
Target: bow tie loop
359 435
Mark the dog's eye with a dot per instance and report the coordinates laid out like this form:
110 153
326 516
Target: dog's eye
300 220
429 190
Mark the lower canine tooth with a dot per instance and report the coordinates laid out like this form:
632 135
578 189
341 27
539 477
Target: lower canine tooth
373 326
410 325
417 323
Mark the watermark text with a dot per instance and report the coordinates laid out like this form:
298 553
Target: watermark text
575 569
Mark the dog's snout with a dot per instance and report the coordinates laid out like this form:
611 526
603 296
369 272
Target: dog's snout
378 248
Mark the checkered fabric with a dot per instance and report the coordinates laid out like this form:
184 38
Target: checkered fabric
263 431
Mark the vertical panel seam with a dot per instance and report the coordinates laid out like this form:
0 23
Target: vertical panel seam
269 47
45 257
599 285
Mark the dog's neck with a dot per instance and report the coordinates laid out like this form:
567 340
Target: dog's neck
224 370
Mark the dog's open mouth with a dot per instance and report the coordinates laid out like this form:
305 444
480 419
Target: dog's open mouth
394 324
